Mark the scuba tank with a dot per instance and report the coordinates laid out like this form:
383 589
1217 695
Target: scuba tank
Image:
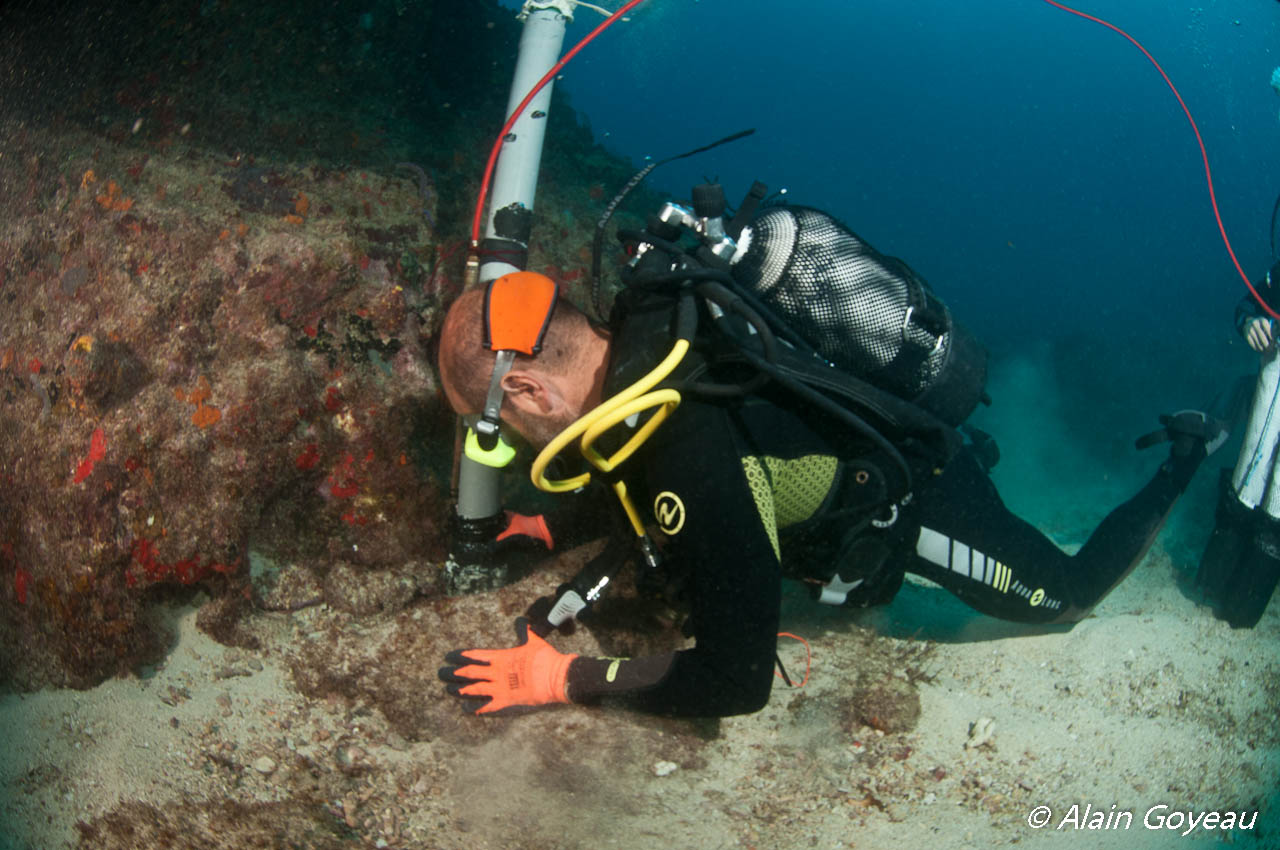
832 296
861 311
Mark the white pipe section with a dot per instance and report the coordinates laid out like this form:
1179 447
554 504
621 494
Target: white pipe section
515 179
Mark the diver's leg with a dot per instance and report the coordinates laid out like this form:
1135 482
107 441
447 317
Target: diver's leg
1121 540
1233 525
1241 562
970 543
1246 595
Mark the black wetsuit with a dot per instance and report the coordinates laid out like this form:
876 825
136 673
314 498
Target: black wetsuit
1248 308
751 493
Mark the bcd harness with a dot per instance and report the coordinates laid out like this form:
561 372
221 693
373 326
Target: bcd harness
758 307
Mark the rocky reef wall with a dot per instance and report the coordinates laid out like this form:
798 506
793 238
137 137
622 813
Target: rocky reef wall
227 234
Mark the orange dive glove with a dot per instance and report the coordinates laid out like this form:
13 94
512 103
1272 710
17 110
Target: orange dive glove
505 681
534 527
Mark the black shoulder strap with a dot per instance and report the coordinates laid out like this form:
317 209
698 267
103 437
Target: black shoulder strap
897 419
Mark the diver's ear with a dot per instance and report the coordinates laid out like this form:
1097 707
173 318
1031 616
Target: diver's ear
528 392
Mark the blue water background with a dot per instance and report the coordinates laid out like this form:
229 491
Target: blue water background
1033 166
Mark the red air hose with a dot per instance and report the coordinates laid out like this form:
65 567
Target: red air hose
1208 176
519 110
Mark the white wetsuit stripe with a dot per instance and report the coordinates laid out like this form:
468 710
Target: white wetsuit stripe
934 547
938 548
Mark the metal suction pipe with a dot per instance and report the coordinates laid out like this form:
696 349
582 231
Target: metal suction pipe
505 248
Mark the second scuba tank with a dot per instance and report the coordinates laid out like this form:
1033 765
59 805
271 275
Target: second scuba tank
1256 472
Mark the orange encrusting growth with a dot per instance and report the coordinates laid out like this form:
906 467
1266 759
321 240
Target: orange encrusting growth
112 199
205 414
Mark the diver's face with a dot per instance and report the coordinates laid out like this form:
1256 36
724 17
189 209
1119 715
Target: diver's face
529 421
541 415
455 400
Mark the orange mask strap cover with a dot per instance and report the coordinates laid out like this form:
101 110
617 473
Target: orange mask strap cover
517 311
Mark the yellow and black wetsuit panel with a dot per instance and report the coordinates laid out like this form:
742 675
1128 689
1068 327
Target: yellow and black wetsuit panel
788 491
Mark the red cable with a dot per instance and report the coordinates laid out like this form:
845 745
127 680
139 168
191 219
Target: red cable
808 657
519 110
1208 176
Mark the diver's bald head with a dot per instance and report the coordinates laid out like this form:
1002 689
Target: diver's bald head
465 362
573 358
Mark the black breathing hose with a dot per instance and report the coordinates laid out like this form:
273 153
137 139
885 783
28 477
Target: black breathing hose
597 241
766 363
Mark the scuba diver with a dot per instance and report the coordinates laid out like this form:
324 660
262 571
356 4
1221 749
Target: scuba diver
1241 562
810 409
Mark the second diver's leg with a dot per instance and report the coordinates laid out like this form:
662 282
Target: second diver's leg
1240 567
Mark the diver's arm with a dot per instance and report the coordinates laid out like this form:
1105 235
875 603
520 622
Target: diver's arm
1250 319
735 578
581 517
1247 313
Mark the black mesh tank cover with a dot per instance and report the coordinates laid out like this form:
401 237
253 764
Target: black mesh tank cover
864 312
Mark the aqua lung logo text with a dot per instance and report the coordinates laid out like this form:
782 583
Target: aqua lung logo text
669 511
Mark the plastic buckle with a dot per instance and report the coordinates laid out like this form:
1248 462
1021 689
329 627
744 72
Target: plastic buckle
893 517
836 591
497 457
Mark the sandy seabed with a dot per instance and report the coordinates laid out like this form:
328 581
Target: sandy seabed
1151 702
